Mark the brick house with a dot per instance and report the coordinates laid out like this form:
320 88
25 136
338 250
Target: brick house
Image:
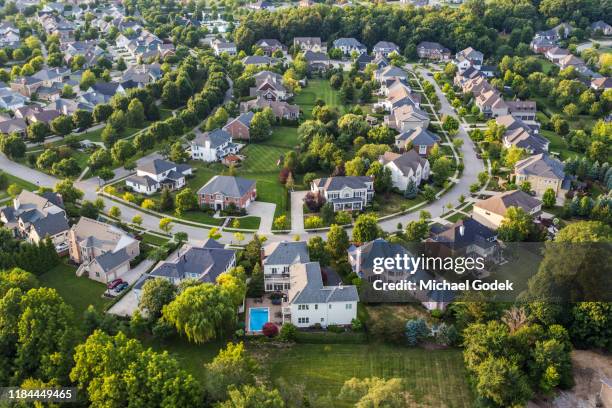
239 127
221 191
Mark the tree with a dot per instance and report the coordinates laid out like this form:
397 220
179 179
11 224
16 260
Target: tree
201 312
135 114
441 170
377 392
516 225
109 135
318 251
417 231
114 212
337 242
178 153
99 159
37 131
214 233
250 396
137 220
88 79
513 155
118 120
105 366
47 158
185 200
450 124
166 202
233 366
592 325
327 213
102 112
355 167
122 150
549 198
14 190
260 128
66 168
366 228
69 193
411 190
82 119
156 293
416 331
382 177
165 224
13 146
68 92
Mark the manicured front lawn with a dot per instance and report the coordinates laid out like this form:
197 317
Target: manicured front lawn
154 239
248 222
283 136
430 376
78 292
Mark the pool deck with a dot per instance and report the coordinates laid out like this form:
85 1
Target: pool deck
275 312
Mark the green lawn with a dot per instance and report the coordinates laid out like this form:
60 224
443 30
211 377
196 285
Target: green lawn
248 222
262 158
154 239
25 185
283 136
558 144
431 376
316 88
77 292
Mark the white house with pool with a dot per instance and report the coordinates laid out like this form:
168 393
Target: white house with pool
307 303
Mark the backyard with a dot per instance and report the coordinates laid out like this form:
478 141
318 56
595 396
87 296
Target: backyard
25 185
316 89
430 375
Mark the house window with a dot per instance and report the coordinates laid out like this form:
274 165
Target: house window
302 307
348 306
303 320
330 306
316 307
322 320
269 287
273 270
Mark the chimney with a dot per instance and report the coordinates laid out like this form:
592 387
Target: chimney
461 230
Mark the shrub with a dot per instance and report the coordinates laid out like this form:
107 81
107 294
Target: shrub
313 222
270 329
335 329
281 223
416 331
437 313
356 325
288 332
343 218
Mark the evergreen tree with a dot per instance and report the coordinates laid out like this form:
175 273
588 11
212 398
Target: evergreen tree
166 203
411 190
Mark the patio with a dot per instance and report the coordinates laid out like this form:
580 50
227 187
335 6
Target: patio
275 311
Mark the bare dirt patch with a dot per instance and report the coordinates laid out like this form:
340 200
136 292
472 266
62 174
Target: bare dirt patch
589 369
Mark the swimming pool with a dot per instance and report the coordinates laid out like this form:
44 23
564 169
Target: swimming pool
258 316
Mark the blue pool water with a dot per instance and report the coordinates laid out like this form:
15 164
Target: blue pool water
258 316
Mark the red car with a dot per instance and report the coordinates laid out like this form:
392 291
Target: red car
115 283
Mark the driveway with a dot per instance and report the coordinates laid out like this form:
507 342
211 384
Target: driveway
297 211
126 306
265 211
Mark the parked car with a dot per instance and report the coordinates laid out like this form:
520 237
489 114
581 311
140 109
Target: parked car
122 286
113 284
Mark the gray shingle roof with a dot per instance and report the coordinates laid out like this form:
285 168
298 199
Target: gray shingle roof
111 260
286 253
338 183
51 224
315 292
143 181
419 137
157 166
228 186
217 137
207 262
466 232
541 165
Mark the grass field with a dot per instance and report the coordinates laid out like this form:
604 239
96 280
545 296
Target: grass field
316 89
262 158
430 376
77 292
558 144
25 185
283 136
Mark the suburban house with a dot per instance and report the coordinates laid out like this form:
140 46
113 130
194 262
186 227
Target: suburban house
492 211
35 217
523 110
542 45
345 192
221 46
469 58
421 140
11 100
309 302
542 172
154 175
363 60
390 72
348 45
309 44
466 237
280 109
212 146
605 28
269 46
28 85
571 61
259 60
277 258
520 134
222 191
407 117
203 263
405 167
103 250
397 93
317 61
239 127
491 104
16 125
384 49
463 77
556 54
269 85
433 51
601 84
362 258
